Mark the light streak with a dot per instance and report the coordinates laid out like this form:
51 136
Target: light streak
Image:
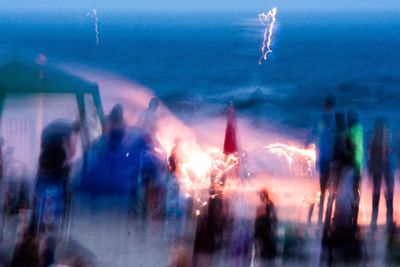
94 15
294 154
268 20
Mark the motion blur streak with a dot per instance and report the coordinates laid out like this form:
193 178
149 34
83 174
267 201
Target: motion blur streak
268 20
93 14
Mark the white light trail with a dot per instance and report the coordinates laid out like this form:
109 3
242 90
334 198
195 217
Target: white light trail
268 20
93 14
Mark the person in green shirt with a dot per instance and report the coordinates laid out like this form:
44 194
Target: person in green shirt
356 140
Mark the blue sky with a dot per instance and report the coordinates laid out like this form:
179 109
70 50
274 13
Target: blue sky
200 5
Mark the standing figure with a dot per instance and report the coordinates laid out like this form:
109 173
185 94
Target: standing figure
210 228
116 127
52 196
338 186
266 232
325 140
148 118
379 166
356 146
174 205
341 153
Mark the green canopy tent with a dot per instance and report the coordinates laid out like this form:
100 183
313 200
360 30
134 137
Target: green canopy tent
21 78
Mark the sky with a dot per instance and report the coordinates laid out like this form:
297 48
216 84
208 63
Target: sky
199 5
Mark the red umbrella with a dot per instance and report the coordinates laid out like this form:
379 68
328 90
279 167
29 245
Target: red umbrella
231 144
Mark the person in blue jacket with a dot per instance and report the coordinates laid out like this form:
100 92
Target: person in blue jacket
324 144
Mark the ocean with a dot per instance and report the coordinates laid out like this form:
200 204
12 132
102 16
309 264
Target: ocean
197 63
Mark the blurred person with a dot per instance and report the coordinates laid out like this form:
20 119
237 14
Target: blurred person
26 252
151 183
356 146
341 154
341 162
324 145
176 157
116 127
379 166
52 196
15 184
174 202
209 230
17 193
151 168
58 147
345 242
111 159
265 229
339 236
340 159
148 118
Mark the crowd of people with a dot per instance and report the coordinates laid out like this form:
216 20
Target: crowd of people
127 162
340 151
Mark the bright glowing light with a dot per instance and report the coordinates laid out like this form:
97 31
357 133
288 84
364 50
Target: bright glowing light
193 172
362 207
268 20
198 171
93 14
294 154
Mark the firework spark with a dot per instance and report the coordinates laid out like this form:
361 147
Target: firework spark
268 20
93 14
202 170
294 154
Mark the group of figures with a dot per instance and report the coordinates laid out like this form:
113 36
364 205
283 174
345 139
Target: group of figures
340 155
127 162
122 162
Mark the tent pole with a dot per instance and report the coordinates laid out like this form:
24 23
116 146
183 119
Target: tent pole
82 120
99 107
